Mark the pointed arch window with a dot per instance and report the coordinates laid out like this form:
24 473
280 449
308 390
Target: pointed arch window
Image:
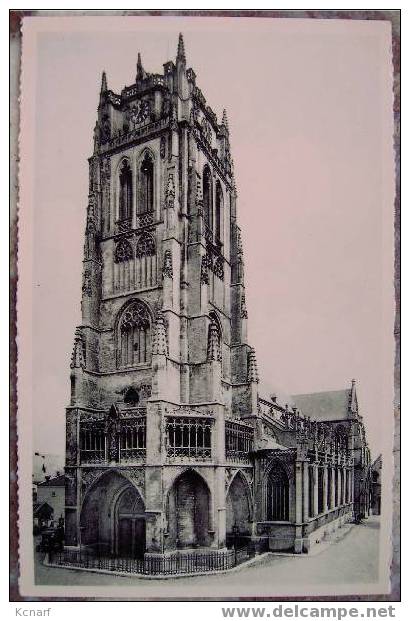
145 246
134 336
125 196
277 495
131 396
123 251
207 198
146 189
219 207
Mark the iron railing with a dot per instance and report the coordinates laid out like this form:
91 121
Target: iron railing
169 564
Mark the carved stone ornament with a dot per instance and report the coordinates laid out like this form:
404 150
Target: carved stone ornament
136 476
145 391
86 288
162 147
87 479
106 169
78 355
206 130
204 271
112 432
218 267
244 311
140 112
170 191
105 129
167 270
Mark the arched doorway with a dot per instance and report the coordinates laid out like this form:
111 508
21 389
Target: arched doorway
112 517
238 507
130 524
188 511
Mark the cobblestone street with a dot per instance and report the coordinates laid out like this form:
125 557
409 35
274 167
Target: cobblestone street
351 558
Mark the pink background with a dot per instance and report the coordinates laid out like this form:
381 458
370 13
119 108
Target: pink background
309 108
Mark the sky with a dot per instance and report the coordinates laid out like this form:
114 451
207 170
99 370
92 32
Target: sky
309 109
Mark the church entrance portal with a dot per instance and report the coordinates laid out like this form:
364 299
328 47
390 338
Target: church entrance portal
113 518
130 525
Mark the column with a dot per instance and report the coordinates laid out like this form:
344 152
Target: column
153 479
298 545
299 491
315 489
339 483
325 485
218 496
305 491
331 473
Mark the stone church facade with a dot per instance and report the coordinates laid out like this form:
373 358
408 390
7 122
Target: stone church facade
169 442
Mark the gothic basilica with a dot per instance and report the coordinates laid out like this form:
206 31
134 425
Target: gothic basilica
170 444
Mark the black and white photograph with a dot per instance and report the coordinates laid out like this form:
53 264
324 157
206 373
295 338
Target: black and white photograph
207 389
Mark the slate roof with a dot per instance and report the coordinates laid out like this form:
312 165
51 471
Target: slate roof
325 406
54 482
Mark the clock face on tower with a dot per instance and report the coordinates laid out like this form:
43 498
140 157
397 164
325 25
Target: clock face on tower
139 112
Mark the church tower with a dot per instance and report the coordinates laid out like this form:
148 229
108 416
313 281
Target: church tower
163 381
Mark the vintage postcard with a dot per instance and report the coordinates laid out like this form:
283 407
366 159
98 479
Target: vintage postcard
206 306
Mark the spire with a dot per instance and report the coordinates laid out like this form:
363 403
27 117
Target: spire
104 86
181 49
140 69
353 398
253 375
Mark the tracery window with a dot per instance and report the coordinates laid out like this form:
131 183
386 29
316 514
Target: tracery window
125 196
123 251
134 336
277 495
145 246
219 206
207 198
146 186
